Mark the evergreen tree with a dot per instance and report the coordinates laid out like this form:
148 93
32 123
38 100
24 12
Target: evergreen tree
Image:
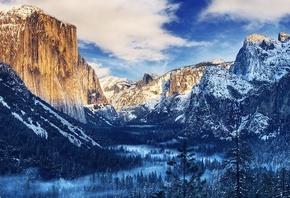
282 186
185 175
237 164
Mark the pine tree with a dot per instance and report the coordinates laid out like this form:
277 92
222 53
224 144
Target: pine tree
237 163
282 186
186 177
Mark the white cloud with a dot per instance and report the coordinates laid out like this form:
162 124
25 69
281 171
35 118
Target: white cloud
99 69
128 29
252 11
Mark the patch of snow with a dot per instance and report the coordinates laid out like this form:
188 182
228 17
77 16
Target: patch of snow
37 129
258 123
180 118
267 137
216 61
4 103
220 79
74 129
24 11
109 83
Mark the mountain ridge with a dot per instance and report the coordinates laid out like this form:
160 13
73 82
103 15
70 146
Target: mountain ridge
257 82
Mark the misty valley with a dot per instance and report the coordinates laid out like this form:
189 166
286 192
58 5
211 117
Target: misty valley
150 149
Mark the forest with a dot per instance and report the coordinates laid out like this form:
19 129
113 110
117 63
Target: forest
154 162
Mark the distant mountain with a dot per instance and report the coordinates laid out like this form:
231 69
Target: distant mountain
258 83
43 52
123 93
164 98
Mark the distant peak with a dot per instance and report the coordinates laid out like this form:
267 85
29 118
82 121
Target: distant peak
256 38
283 37
216 61
25 11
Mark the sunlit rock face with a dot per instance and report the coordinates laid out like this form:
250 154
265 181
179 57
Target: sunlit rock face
43 51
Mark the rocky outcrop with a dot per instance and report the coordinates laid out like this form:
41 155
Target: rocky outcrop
263 59
283 37
43 51
147 78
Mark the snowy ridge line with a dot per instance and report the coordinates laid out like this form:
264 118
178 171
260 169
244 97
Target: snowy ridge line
72 128
71 138
38 130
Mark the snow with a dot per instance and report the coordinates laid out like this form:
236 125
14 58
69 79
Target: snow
219 80
73 138
216 61
4 103
109 82
262 59
37 129
180 118
24 11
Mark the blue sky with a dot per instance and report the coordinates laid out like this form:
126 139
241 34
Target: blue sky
127 38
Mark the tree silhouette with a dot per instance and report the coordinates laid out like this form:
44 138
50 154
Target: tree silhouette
237 162
186 177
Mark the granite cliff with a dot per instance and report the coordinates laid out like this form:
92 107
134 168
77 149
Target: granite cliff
43 52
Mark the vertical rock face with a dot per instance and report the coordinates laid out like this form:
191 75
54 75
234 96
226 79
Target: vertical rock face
263 59
43 52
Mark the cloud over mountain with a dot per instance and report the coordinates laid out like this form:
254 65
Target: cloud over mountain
128 29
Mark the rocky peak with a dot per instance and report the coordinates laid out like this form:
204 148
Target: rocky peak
283 37
24 11
256 38
262 59
147 78
43 52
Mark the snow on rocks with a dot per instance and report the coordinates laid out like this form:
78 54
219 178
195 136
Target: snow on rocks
263 59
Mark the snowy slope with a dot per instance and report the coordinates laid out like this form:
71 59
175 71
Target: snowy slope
258 82
39 117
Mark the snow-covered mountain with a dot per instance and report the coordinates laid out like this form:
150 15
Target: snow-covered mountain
258 82
124 94
165 98
263 59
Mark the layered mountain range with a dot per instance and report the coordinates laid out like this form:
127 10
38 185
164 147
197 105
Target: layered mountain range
43 52
257 82
202 98
123 93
